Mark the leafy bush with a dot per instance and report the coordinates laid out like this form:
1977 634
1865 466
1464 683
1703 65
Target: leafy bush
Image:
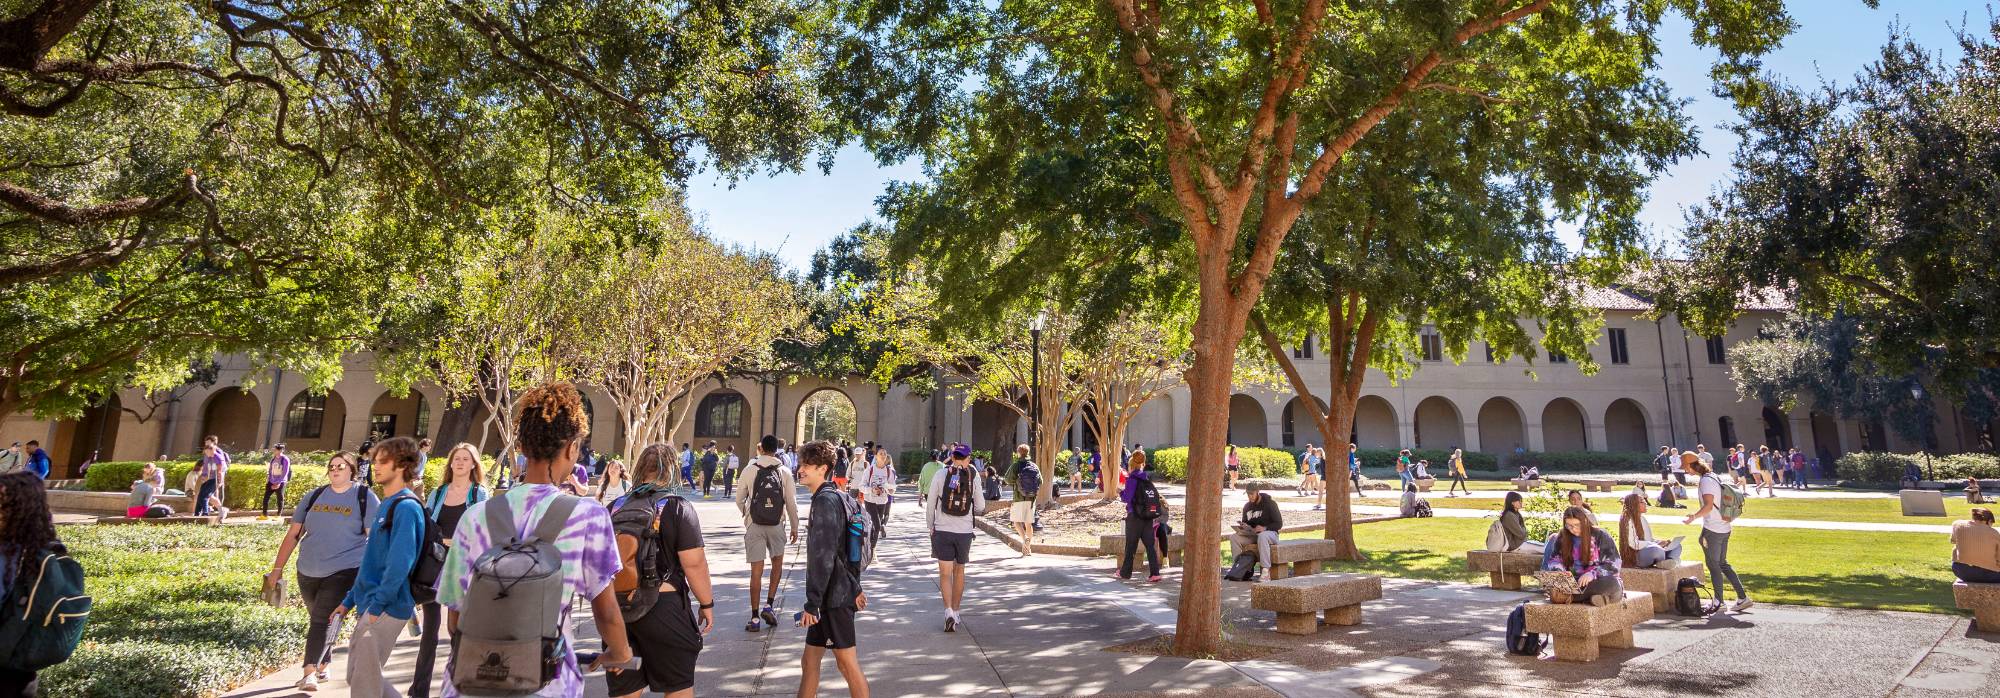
243 485
1968 465
1884 468
1585 461
1170 464
1542 511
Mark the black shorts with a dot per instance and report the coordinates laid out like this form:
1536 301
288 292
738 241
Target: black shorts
835 629
668 642
951 547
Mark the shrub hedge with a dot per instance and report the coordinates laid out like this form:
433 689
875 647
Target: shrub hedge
243 484
1882 468
1584 461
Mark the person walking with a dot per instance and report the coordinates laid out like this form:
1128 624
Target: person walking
877 486
1143 510
930 471
1025 479
1406 471
668 638
953 499
37 463
833 581
1975 549
1799 471
731 467
381 592
1636 545
1233 467
1258 529
27 540
461 487
615 484
11 459
1715 529
549 431
769 505
687 466
208 481
276 473
709 459
1354 467
329 531
1456 467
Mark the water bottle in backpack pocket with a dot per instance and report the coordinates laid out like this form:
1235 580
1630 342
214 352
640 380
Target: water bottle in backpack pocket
860 548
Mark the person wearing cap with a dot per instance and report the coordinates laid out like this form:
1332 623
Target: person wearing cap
1259 528
951 534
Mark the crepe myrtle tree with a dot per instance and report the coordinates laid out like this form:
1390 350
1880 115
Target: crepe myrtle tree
1103 132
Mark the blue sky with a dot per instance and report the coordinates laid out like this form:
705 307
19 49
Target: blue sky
795 214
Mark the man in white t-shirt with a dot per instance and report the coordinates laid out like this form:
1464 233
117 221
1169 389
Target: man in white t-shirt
1715 531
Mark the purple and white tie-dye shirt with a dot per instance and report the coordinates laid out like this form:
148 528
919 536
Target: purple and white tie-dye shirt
589 559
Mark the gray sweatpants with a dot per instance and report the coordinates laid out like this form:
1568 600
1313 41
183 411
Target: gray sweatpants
367 653
1239 543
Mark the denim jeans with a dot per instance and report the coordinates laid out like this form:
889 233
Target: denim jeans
1974 574
1715 552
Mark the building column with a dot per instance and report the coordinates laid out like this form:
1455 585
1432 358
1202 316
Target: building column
1802 434
1594 437
1406 433
1274 428
1471 436
1182 414
1533 430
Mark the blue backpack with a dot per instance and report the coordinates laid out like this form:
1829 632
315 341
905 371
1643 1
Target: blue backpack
1519 640
42 620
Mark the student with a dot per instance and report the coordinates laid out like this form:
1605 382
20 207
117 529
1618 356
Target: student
1096 468
28 529
1076 471
1663 464
381 591
1515 528
1258 529
550 430
1024 477
37 463
951 502
769 504
709 459
1975 549
930 471
616 484
840 465
144 493
11 459
1714 532
833 585
1456 467
208 481
1799 471
1139 531
1354 467
877 487
1406 471
1575 499
687 465
668 637
276 474
1231 464
329 530
461 487
731 467
1587 553
1636 545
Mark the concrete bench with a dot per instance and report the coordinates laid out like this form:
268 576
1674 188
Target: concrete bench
1424 484
1114 545
1660 582
1597 485
1580 629
1983 600
181 519
1504 568
1301 556
1300 600
1922 502
1521 485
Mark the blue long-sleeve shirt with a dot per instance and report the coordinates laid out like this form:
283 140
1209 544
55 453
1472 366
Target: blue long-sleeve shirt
382 585
38 463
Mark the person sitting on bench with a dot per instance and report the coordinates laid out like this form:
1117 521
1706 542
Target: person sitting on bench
1259 528
1590 556
1975 549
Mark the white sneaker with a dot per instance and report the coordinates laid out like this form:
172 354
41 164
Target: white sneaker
322 675
1741 604
308 683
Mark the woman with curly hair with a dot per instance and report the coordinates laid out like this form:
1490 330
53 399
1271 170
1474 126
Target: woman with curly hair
550 434
26 528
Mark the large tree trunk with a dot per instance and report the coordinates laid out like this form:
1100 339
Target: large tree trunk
1199 626
1339 508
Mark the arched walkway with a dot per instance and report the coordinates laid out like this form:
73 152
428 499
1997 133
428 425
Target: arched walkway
1299 427
316 422
1777 433
1438 424
1726 426
1563 427
409 415
1826 438
93 436
231 416
1625 427
1247 426
826 414
1374 423
1501 428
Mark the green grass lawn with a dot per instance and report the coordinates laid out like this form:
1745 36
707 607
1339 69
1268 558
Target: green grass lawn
176 612
1888 571
1877 510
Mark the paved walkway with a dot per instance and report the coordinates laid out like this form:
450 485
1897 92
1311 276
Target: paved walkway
1041 626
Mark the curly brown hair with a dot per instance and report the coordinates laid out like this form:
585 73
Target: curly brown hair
551 418
25 522
817 453
400 453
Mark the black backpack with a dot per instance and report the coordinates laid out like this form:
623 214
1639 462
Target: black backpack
1688 600
640 518
430 553
1519 640
1146 502
1029 479
1243 568
767 499
1423 509
992 487
956 499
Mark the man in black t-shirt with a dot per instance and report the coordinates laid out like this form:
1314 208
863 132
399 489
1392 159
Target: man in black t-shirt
668 637
833 585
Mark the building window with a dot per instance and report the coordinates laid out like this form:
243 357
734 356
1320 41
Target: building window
1715 354
1728 428
1556 357
1304 350
719 416
1489 353
305 416
381 426
1433 345
423 417
1620 352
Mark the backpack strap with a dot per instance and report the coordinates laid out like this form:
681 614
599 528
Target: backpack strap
554 518
311 497
500 531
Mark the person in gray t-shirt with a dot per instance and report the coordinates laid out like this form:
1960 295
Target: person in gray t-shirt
330 531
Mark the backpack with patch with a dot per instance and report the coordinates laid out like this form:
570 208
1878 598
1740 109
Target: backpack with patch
1687 598
956 498
636 527
42 621
1423 509
859 548
431 550
767 497
1730 502
510 639
1519 640
1146 501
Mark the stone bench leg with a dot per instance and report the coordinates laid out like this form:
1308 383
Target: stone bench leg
1616 639
1280 572
1576 649
1174 558
1305 567
1504 581
1986 618
1298 623
1344 615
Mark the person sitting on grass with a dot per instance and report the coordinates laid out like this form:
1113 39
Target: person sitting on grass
1975 549
1636 545
1589 554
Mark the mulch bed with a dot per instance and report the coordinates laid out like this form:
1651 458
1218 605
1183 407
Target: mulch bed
1230 651
1081 523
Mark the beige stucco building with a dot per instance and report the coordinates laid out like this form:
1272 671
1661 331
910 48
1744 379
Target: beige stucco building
1657 385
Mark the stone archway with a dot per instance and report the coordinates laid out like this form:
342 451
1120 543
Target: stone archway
1826 438
1501 427
1438 424
1777 431
1374 423
1625 427
231 416
826 414
1563 426
996 428
1247 424
1299 427
90 438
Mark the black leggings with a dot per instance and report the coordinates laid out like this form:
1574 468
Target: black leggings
1139 531
420 685
879 512
1458 483
322 596
269 490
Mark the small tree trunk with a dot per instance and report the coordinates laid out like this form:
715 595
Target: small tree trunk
1199 625
1339 526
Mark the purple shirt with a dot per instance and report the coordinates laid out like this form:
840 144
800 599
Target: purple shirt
280 470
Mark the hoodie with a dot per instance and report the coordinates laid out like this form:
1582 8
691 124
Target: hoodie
785 484
830 581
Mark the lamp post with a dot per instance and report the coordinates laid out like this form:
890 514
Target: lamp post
1035 383
1917 392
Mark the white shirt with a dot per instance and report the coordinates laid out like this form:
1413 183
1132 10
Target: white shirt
1705 457
733 462
1712 521
873 477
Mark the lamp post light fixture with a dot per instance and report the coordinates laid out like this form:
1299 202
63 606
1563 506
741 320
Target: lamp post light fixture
1917 393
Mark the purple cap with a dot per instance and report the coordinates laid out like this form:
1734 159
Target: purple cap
961 451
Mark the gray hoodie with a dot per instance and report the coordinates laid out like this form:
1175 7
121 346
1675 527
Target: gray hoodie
785 484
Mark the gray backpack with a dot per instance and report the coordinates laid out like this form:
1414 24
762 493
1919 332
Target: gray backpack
510 636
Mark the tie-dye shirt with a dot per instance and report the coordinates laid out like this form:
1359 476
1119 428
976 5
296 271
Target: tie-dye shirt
589 560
